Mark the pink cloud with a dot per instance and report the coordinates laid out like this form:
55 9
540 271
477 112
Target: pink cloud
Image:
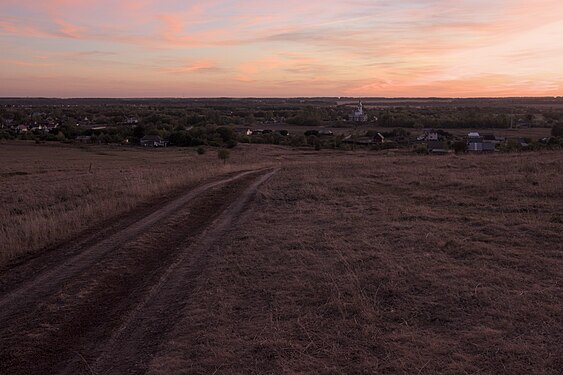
371 47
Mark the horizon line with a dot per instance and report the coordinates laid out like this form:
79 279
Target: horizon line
278 97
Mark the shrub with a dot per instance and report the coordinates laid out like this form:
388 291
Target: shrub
421 149
557 130
223 155
201 150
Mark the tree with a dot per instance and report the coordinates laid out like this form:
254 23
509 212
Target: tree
139 131
223 155
557 130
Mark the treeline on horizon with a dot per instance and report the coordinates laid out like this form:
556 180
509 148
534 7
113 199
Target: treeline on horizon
215 124
251 112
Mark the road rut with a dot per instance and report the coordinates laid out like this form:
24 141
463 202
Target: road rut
105 309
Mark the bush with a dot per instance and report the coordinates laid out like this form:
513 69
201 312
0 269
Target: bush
201 150
223 155
180 138
4 134
557 130
227 134
421 149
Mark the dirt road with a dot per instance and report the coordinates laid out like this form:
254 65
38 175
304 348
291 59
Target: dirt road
101 304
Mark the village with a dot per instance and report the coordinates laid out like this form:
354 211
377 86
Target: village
321 126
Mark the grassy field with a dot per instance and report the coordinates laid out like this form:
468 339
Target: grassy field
345 263
397 265
48 193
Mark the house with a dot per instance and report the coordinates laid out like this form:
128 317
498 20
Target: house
84 138
523 143
243 131
482 143
378 138
22 129
358 115
153 141
437 147
8 123
428 135
489 146
474 142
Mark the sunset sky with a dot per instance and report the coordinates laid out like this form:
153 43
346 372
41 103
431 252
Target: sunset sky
146 48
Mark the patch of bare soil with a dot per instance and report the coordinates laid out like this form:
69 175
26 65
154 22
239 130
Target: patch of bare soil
107 304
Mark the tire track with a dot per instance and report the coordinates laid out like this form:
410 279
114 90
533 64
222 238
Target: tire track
138 338
60 325
44 283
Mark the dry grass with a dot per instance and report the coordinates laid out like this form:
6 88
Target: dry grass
50 193
399 265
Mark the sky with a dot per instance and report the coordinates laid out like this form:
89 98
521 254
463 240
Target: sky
290 48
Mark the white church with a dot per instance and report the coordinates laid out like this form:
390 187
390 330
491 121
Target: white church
358 115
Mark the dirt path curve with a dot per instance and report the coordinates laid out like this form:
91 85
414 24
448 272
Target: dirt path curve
133 343
108 305
43 284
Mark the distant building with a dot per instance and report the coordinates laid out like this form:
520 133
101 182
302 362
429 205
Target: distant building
481 143
437 147
244 131
428 135
474 142
358 115
378 138
153 141
84 139
22 129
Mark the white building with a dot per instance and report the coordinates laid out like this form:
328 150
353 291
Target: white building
358 115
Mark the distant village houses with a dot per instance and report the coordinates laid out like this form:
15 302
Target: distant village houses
428 135
481 143
153 141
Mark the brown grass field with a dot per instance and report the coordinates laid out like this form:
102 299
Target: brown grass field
395 265
344 263
48 193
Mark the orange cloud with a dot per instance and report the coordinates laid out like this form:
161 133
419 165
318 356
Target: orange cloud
407 47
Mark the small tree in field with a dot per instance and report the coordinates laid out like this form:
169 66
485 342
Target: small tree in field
223 155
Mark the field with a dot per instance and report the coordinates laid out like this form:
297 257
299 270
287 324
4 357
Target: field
51 192
387 265
314 262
